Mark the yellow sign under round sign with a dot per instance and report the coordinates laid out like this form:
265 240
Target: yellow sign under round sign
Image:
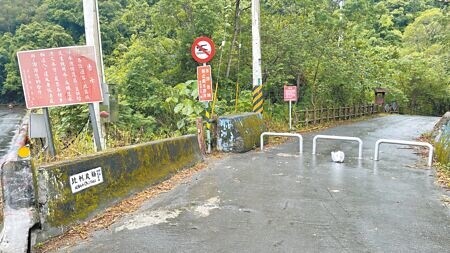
23 152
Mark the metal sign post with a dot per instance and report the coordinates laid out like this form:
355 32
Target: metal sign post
290 114
48 129
203 51
95 127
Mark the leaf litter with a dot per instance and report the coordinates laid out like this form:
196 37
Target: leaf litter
108 217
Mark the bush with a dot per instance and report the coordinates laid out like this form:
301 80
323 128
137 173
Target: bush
442 149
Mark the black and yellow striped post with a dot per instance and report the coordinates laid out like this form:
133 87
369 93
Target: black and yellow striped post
258 99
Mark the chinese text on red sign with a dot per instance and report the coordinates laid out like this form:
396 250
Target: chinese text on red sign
204 82
290 93
59 76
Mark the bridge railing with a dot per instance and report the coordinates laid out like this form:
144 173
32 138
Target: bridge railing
307 116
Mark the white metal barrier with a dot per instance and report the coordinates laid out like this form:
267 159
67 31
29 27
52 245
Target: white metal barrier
413 143
300 139
333 137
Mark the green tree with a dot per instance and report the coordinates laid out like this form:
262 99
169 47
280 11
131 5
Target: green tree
335 56
15 13
67 14
425 75
32 36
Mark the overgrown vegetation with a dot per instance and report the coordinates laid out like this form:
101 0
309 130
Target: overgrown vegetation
442 149
335 56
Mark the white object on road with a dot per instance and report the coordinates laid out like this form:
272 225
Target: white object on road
333 137
338 156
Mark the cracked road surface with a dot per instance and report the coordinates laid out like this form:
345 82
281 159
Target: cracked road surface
280 201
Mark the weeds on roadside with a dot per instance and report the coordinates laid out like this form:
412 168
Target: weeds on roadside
442 149
442 154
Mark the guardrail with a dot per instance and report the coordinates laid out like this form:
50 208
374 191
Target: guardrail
413 143
300 139
319 115
333 137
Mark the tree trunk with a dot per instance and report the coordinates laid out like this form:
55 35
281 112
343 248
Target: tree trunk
299 76
237 14
313 93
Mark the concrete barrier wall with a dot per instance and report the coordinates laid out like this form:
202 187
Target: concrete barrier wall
123 171
239 133
19 199
442 127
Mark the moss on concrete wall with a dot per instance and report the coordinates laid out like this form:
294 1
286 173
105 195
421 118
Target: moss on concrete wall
239 133
442 127
125 171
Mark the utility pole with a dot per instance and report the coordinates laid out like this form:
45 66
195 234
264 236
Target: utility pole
256 54
93 38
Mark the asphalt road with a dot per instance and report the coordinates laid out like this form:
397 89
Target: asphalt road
10 120
279 201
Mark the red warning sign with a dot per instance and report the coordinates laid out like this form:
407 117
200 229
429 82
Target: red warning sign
290 93
204 82
59 76
203 49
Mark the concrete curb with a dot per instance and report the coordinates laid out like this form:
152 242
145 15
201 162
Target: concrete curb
73 191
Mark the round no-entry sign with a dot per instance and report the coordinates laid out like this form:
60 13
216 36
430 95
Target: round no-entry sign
203 49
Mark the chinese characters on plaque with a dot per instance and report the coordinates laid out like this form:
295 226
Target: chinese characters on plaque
86 179
290 93
59 76
204 82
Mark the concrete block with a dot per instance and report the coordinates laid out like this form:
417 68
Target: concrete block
19 198
124 171
239 133
19 206
442 127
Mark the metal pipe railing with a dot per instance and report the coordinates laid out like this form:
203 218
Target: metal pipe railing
333 137
413 143
300 138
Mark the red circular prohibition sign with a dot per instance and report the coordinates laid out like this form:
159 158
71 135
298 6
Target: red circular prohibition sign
203 49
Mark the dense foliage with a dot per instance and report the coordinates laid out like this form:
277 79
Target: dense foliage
334 55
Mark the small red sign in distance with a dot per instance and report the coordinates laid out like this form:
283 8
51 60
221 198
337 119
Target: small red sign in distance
290 93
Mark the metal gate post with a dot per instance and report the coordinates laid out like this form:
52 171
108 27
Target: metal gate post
413 143
300 139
